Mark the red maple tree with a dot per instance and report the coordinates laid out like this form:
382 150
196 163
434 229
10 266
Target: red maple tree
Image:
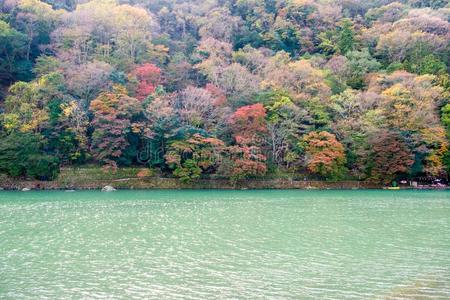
248 123
148 77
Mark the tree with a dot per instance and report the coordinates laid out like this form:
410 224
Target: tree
389 156
179 73
63 4
37 20
87 80
423 62
420 33
191 157
346 36
286 123
196 105
102 29
243 161
284 36
67 132
46 64
12 53
409 102
212 56
148 77
245 158
355 114
27 104
360 63
21 155
325 156
445 118
239 85
135 27
248 123
262 76
338 40
436 144
219 24
159 126
302 80
388 13
114 116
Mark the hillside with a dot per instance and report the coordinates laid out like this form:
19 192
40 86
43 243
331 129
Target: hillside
234 89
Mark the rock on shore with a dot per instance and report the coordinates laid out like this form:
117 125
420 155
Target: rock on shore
108 188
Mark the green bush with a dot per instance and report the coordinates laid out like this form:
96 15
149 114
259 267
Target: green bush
44 167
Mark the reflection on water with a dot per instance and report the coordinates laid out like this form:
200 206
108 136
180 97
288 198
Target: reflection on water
225 244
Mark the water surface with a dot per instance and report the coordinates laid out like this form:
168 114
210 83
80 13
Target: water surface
225 244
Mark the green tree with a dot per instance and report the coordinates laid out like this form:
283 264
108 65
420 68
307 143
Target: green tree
26 107
446 122
37 20
360 63
21 155
12 54
428 64
346 36
340 39
286 122
445 117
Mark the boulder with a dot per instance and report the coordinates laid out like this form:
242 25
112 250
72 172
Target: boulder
108 188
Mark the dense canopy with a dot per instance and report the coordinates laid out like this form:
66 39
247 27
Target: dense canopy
326 89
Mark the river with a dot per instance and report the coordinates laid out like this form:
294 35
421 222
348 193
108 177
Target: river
225 244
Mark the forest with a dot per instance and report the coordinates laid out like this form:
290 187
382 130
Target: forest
324 89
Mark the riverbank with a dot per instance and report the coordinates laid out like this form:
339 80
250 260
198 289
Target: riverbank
133 178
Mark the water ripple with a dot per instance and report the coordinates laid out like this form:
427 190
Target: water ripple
228 244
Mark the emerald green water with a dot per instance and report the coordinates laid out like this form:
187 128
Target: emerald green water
225 244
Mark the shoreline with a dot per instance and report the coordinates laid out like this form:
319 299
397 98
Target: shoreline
174 183
201 184
91 178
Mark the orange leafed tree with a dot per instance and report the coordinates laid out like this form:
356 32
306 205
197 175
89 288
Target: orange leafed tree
325 155
248 122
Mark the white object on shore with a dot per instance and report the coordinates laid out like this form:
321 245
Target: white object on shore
108 188
26 189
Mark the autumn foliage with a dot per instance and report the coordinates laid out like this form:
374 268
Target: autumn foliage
324 154
248 123
190 158
390 156
245 161
326 89
148 77
112 114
